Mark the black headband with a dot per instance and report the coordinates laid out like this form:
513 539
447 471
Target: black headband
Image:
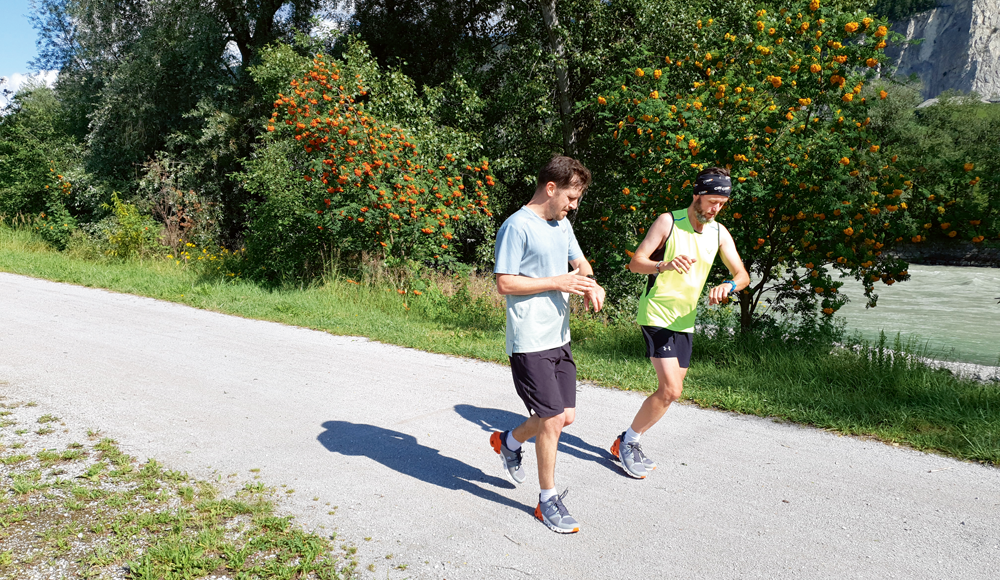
713 184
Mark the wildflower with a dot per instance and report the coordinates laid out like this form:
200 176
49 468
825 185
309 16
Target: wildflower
969 166
602 101
851 27
845 161
639 72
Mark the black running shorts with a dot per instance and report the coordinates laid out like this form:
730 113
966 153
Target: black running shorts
545 380
666 343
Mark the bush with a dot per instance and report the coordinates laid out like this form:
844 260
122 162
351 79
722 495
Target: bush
334 173
130 234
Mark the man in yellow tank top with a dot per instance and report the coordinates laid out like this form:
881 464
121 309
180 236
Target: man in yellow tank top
677 255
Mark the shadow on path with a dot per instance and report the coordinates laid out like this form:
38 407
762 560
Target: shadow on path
499 420
401 453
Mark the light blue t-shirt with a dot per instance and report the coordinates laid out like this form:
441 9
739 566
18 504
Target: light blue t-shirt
528 245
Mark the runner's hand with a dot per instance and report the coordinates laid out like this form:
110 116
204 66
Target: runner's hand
719 294
680 264
574 284
595 297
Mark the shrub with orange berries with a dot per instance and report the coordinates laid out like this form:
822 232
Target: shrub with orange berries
799 147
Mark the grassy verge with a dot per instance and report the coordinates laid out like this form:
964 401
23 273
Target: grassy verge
857 392
76 506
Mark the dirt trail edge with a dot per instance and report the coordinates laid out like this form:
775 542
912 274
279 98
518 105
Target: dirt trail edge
398 440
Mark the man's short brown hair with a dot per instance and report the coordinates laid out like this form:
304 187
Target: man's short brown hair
565 172
714 171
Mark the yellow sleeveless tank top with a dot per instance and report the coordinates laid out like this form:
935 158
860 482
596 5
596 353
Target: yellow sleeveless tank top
671 298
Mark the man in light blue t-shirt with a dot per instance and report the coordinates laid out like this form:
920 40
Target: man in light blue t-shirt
534 253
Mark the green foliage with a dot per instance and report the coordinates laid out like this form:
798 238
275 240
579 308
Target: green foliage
130 234
782 102
187 215
896 10
157 79
55 224
948 151
32 141
336 175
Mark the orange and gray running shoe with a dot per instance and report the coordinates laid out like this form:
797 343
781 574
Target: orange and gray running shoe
511 459
630 457
554 514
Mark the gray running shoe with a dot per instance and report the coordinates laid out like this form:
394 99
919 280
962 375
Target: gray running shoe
649 463
630 457
511 459
554 514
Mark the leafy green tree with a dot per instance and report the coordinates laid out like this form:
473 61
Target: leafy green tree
783 103
165 80
948 150
33 144
338 174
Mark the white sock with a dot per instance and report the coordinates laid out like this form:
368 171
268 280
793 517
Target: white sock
546 495
511 443
631 436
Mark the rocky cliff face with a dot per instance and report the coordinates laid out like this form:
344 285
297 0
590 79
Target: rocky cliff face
961 48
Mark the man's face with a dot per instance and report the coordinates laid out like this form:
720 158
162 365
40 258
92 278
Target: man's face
563 201
707 206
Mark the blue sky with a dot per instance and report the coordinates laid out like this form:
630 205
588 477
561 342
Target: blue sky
17 41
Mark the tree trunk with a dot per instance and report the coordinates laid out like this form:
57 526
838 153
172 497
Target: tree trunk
746 314
558 49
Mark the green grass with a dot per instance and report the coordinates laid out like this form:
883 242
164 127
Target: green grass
120 514
841 390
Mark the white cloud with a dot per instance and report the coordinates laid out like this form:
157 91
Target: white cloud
16 81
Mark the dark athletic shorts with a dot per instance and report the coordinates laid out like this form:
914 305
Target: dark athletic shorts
666 343
545 380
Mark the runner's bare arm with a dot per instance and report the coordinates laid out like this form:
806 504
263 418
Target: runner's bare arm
518 285
731 258
655 237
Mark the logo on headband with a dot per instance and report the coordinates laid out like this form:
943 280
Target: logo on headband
710 184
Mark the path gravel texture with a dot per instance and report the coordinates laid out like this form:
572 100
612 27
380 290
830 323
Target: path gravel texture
397 439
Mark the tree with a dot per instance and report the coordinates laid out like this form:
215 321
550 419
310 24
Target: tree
353 181
148 79
783 103
33 142
949 152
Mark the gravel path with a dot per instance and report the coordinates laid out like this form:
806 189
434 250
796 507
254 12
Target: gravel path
398 440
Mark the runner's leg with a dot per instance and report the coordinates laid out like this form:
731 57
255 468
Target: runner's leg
670 378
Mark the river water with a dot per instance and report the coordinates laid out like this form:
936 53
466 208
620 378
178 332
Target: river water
950 311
